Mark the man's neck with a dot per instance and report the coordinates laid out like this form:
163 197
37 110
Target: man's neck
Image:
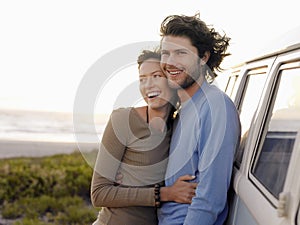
187 93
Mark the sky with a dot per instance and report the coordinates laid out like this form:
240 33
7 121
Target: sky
47 47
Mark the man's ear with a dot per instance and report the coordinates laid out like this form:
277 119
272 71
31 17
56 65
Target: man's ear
205 58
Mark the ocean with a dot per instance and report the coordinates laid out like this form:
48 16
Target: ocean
45 127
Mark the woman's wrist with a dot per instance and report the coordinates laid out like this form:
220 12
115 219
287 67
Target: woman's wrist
164 194
157 197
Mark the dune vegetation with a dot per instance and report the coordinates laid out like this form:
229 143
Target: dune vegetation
46 191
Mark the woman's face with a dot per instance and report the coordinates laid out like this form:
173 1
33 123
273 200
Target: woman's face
154 84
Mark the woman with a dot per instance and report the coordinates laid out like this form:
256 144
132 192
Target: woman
136 144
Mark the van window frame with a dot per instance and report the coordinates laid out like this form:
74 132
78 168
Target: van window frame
248 77
264 129
263 64
233 84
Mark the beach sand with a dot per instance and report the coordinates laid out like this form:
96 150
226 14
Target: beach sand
17 148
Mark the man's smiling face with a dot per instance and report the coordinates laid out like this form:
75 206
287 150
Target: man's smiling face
180 61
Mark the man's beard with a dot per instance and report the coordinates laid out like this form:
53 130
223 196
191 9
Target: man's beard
188 82
191 79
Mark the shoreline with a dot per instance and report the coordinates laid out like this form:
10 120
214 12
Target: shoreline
29 148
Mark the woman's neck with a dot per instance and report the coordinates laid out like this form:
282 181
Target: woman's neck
157 118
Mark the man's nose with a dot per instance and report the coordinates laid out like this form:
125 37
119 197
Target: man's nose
170 60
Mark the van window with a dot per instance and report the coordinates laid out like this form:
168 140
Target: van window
255 80
272 162
231 87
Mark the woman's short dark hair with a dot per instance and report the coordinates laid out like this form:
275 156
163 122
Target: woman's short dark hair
148 54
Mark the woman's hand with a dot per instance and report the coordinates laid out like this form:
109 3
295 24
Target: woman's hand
118 178
181 191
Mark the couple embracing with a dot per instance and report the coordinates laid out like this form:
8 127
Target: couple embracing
170 162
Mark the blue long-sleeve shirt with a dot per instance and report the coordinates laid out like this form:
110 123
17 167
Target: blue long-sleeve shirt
203 144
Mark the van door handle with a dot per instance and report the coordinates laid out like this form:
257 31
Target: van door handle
283 203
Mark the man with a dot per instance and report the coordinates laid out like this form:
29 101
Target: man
207 132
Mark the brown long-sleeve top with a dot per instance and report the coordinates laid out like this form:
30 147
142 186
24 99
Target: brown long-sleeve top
140 153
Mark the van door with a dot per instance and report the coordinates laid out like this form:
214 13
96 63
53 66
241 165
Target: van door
266 181
251 81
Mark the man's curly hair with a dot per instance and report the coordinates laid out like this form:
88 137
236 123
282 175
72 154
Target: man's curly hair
202 37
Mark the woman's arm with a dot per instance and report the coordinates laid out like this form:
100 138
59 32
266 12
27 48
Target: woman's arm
182 191
110 194
104 191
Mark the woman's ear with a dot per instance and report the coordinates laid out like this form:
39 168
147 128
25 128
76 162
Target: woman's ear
205 58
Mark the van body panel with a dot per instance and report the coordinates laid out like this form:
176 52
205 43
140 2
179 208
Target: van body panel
265 186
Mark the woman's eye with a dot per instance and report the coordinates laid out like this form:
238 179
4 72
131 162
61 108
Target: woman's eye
157 75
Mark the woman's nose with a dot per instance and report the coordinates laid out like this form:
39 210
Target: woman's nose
149 82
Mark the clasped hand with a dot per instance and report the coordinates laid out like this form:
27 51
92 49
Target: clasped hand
182 191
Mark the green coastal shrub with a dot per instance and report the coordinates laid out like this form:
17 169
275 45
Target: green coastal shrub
51 190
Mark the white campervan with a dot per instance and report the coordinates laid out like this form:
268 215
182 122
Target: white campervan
266 176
